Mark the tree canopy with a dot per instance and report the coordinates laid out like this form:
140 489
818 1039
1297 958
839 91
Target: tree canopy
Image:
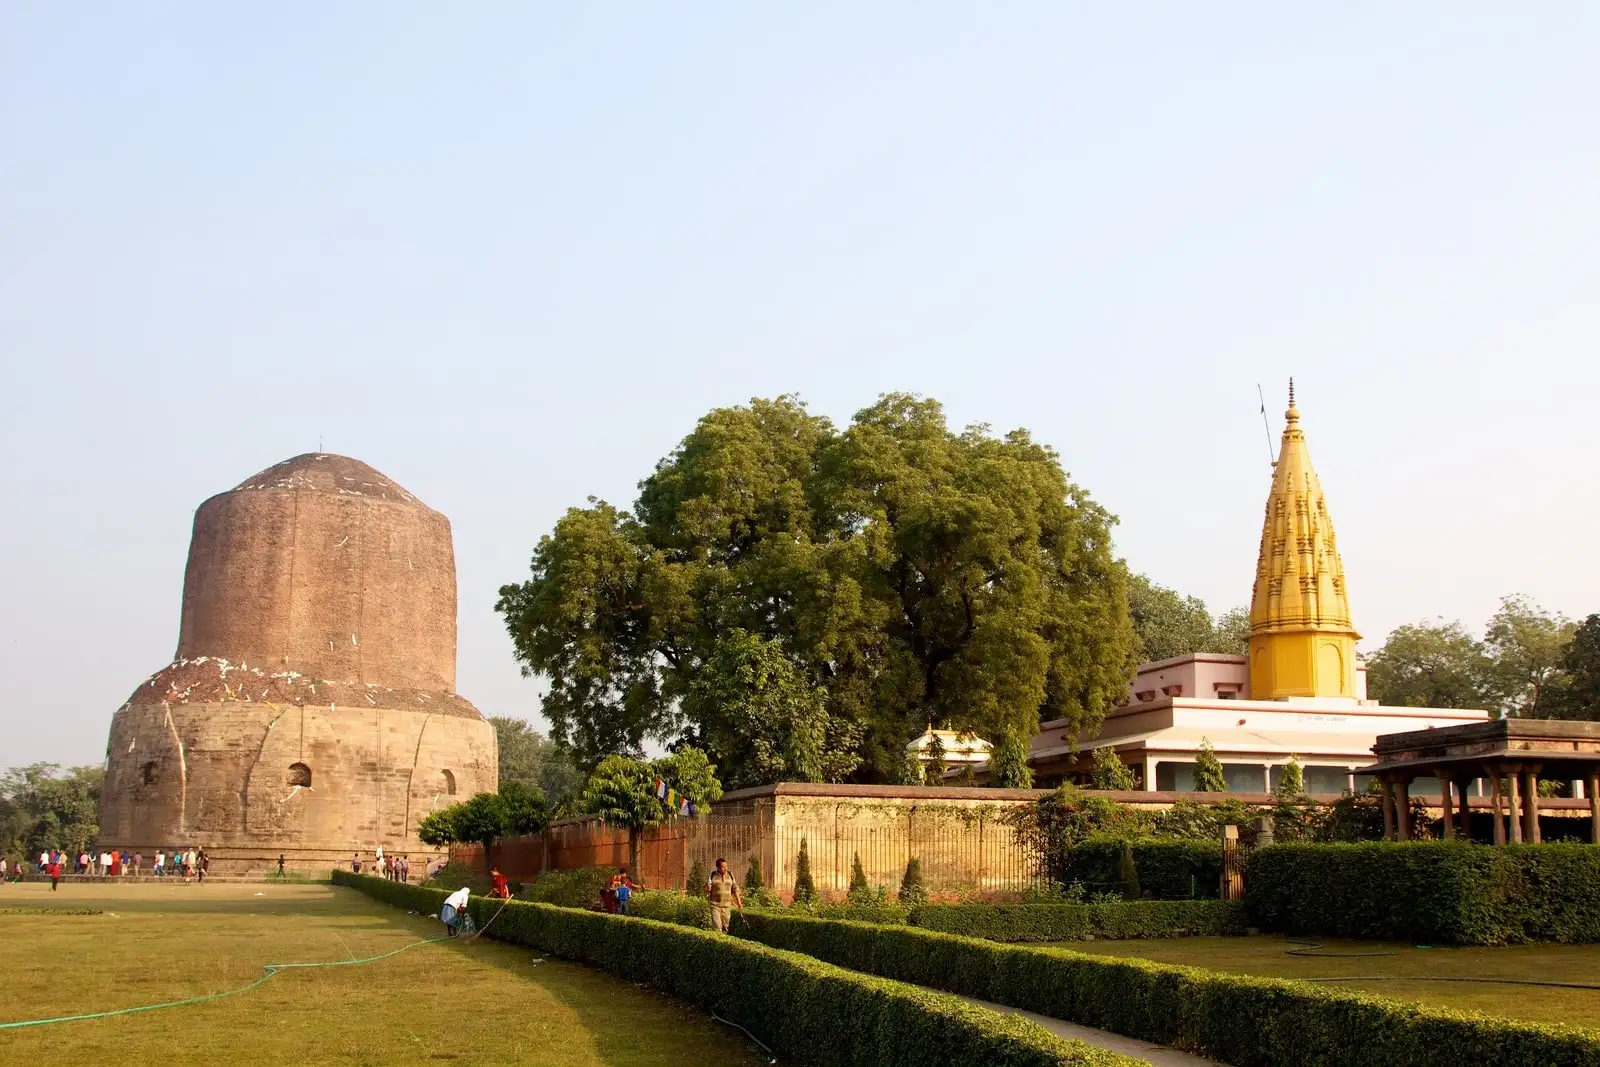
1170 624
1529 663
1576 694
487 817
43 807
532 759
800 600
1431 665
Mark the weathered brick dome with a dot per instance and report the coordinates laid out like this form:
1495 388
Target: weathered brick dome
323 566
311 707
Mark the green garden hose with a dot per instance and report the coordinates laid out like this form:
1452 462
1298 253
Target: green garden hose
271 969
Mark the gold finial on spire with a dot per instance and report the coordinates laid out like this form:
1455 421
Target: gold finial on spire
1293 414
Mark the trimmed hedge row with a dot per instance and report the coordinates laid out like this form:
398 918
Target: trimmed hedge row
1237 1019
1168 869
806 1010
1429 892
1081 922
573 889
668 907
995 922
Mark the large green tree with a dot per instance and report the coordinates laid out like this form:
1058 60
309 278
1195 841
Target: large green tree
1432 665
532 759
904 572
1170 624
43 807
1529 647
1576 695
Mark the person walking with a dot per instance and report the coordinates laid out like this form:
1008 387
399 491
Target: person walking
55 874
280 865
723 893
498 886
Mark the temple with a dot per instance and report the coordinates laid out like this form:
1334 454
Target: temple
1300 694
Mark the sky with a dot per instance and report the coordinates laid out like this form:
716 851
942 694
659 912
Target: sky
509 254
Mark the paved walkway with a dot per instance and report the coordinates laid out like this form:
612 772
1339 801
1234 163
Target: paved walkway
1159 1055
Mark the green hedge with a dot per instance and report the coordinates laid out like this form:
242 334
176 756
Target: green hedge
1080 922
994 922
669 907
1168 869
1429 892
807 1011
1236 1019
571 889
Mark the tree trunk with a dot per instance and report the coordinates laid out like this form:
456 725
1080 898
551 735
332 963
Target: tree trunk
633 852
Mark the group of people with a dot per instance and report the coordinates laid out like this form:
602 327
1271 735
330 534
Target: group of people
52 863
721 890
394 868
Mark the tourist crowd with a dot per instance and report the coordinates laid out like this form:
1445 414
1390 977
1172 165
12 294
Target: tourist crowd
394 868
189 864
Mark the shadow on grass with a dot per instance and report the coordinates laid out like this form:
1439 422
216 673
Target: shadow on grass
628 1021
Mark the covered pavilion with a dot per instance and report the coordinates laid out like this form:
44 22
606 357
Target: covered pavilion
1517 751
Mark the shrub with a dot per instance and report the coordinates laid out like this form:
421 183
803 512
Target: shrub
877 912
456 875
1208 777
858 877
1128 873
1429 892
1166 870
1109 772
695 880
807 1011
753 880
1292 786
570 889
1245 1021
912 891
669 906
804 890
1359 817
1052 825
1079 922
1008 764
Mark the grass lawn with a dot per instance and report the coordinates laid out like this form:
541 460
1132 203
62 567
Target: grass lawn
480 1003
1268 955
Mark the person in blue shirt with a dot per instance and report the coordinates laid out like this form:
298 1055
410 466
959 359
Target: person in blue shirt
623 887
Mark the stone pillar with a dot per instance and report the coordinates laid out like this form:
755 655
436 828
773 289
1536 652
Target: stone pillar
1402 808
1530 806
1592 787
1447 803
1388 808
1149 774
1498 830
1514 806
1464 787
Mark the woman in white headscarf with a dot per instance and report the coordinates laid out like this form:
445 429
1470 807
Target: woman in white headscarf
455 905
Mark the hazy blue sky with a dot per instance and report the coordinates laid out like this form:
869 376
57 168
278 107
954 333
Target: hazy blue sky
508 256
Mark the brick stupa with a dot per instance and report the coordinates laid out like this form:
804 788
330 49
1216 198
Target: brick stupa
311 709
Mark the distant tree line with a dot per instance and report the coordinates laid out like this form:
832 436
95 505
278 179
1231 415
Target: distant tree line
1529 663
44 807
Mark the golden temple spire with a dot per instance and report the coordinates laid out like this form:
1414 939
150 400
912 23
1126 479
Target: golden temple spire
1301 639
